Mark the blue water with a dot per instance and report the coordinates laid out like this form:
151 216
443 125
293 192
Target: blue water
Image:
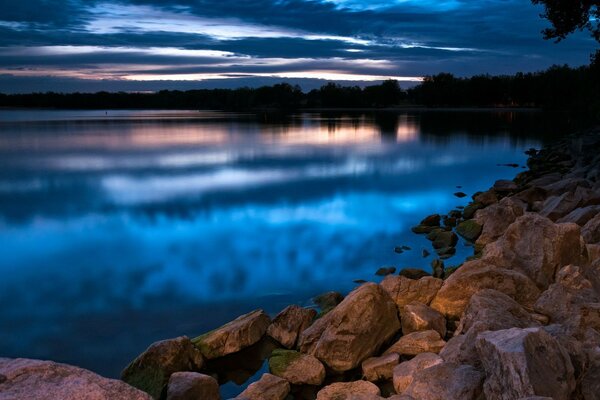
121 228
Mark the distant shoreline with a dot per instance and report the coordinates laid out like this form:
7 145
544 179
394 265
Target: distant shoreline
317 109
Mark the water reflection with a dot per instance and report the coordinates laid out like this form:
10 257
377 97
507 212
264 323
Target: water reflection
118 230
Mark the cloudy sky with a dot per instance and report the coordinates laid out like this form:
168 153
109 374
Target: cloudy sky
91 45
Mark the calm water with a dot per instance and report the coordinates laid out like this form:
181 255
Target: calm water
121 228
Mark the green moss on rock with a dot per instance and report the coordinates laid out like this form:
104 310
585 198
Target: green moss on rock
281 359
469 229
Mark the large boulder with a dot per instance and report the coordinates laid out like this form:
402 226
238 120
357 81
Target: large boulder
417 316
525 362
192 386
289 323
269 387
345 337
556 207
403 373
296 368
446 381
473 276
581 216
234 336
537 247
496 218
591 230
151 370
22 378
417 343
404 290
380 368
357 390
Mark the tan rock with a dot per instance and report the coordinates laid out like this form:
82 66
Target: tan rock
354 330
473 276
403 373
404 290
269 387
289 323
151 370
417 316
446 381
486 198
417 343
591 230
358 390
46 380
380 368
537 247
525 362
192 386
496 218
234 336
296 368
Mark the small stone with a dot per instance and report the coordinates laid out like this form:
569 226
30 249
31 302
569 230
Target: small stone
431 220
269 387
437 266
349 391
460 195
398 250
359 281
384 271
413 273
417 343
469 211
380 368
425 253
406 248
289 323
296 368
469 230
192 386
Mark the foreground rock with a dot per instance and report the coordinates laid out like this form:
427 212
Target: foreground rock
417 343
446 381
289 323
525 362
404 290
234 336
296 368
192 386
269 387
345 337
46 380
349 391
403 373
151 370
380 368
417 316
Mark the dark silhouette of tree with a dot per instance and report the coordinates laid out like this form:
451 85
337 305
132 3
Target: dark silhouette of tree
567 16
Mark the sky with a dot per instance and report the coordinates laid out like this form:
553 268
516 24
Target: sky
138 45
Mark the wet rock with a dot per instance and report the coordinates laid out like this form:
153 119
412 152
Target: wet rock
460 195
469 211
413 273
581 216
444 239
525 362
537 247
431 220
425 253
380 368
496 218
269 387
450 221
192 386
505 186
344 337
384 271
151 370
473 276
289 323
445 253
296 368
399 249
417 343
417 316
234 336
358 390
403 373
486 198
446 381
469 229
591 230
46 380
420 229
404 290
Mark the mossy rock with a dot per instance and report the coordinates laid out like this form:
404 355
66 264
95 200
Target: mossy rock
469 229
281 359
151 380
469 211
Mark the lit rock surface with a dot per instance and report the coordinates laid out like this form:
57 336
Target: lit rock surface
192 386
417 316
289 323
404 290
403 373
417 343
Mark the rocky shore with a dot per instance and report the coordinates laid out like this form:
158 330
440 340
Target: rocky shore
519 320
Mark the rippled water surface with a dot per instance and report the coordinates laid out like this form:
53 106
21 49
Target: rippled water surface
120 228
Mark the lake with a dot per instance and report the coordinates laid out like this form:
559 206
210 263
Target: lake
120 228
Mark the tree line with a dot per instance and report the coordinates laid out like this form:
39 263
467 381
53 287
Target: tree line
559 87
